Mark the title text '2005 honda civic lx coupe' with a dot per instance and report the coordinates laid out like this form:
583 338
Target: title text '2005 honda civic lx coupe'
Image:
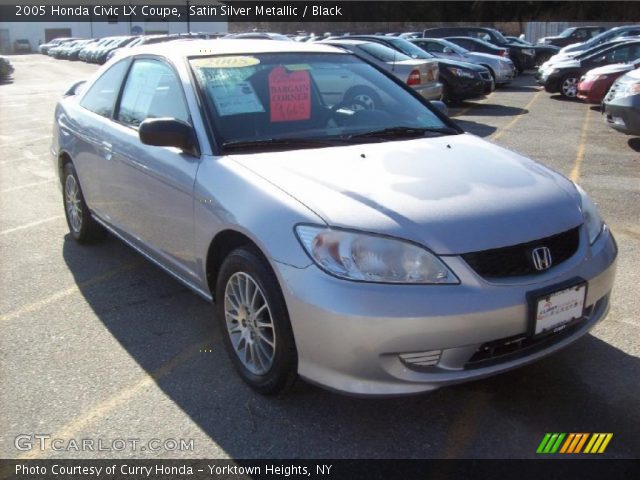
371 248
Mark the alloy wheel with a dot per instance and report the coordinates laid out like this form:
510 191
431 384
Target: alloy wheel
249 323
570 87
72 203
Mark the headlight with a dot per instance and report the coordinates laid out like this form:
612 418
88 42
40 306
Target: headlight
592 219
371 258
528 51
459 72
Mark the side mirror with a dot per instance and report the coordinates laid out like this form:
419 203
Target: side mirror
168 132
74 88
441 107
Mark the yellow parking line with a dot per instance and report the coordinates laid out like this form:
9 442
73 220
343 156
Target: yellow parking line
32 224
27 185
54 297
498 133
114 401
577 165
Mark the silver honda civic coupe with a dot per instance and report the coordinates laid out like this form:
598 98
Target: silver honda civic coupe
373 249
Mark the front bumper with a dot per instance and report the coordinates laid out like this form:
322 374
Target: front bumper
505 75
591 91
430 91
623 114
350 335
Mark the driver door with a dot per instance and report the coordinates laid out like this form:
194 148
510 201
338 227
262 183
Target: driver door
152 190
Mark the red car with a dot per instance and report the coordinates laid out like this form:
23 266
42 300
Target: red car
595 84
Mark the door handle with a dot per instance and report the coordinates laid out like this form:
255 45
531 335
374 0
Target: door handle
108 153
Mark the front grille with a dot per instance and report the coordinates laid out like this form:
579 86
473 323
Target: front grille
517 260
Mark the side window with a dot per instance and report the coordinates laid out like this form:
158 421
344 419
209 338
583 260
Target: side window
102 95
151 90
434 47
619 54
580 34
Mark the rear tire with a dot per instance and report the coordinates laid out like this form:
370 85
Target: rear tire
82 226
254 322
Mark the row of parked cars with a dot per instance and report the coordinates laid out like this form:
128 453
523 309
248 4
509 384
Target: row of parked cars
99 50
604 70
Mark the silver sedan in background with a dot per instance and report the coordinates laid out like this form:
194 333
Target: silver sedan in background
373 252
502 69
421 75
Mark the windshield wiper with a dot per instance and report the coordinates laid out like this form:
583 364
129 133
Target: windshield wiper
403 132
280 143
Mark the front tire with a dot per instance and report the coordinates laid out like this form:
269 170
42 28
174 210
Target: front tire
82 226
569 86
254 322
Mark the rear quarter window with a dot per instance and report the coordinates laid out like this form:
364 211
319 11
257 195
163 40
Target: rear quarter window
101 97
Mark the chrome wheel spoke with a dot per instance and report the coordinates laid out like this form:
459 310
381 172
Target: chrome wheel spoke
251 331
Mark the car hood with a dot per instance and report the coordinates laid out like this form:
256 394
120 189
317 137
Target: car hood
613 68
453 194
488 56
567 63
455 63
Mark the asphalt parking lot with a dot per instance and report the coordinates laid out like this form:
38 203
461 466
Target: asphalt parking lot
97 343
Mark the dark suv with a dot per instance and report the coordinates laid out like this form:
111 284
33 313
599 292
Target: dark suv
572 35
523 57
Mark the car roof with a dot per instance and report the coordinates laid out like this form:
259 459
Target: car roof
341 41
188 48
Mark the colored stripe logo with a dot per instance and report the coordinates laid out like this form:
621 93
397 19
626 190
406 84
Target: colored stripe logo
574 443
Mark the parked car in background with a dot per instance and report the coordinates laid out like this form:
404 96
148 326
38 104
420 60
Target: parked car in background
478 45
572 35
595 84
22 45
380 252
564 76
523 57
501 68
410 35
87 51
563 57
606 36
44 48
73 52
621 106
100 56
6 69
421 75
542 52
460 80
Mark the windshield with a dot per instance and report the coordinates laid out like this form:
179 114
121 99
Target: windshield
408 48
565 33
307 99
383 53
499 36
456 48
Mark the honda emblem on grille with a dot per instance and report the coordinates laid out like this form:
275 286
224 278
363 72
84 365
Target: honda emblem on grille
541 258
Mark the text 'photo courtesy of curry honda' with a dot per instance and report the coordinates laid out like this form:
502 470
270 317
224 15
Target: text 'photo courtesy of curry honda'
347 231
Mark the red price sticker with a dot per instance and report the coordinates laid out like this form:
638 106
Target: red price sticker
290 95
